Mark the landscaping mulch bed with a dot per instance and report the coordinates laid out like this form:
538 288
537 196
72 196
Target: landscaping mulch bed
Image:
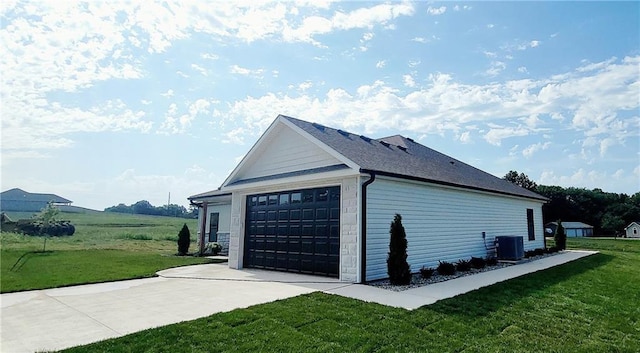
417 280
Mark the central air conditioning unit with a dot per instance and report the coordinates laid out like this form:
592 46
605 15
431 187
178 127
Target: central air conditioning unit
510 247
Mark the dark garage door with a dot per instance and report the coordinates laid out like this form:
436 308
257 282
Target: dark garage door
295 231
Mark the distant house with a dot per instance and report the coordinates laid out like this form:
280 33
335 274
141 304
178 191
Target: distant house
572 229
18 200
632 230
312 199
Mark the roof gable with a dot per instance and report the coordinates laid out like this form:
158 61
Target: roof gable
403 157
285 150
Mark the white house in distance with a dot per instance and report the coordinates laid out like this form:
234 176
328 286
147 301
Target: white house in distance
632 230
312 199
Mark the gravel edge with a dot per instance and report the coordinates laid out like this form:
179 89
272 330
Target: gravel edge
417 280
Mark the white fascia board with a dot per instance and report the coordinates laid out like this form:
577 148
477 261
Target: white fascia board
351 164
289 182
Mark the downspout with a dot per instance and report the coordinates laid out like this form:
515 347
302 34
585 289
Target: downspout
363 231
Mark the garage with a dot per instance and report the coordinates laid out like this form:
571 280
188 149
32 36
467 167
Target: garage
294 231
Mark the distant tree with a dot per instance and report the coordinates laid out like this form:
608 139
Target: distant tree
146 208
120 208
184 238
143 207
397 267
612 223
560 236
521 180
47 216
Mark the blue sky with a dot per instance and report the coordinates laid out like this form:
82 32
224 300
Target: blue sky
110 102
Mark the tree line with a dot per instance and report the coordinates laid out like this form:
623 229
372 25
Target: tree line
609 213
146 208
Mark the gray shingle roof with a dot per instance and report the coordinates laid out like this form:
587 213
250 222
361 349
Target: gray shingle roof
402 157
21 195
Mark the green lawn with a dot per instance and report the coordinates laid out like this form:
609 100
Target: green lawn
37 270
590 305
105 247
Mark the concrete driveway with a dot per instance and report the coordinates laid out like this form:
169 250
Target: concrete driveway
54 319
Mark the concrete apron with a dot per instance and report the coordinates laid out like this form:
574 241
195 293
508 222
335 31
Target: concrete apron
54 319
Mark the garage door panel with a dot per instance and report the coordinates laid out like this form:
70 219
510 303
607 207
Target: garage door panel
297 231
322 214
308 214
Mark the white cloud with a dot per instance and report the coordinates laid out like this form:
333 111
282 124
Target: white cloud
312 26
465 137
419 39
443 104
200 69
305 86
523 69
490 25
167 94
464 7
596 66
209 56
434 11
594 178
381 64
408 81
414 63
176 123
534 43
532 149
498 133
490 54
495 69
235 69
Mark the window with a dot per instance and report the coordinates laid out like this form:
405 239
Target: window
273 199
296 197
530 228
284 199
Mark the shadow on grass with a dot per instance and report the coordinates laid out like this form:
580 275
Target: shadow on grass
25 257
487 300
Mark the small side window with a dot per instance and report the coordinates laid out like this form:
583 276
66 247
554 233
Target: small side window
284 199
530 227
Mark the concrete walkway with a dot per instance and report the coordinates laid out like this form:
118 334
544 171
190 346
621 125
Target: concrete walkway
54 319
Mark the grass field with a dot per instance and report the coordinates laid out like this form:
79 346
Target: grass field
590 305
105 247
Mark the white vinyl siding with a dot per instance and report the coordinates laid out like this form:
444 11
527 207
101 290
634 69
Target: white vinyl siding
287 151
442 223
224 219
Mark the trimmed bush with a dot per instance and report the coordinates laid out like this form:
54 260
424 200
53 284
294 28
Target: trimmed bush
397 266
529 253
446 268
560 237
426 272
538 251
478 262
184 238
463 265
